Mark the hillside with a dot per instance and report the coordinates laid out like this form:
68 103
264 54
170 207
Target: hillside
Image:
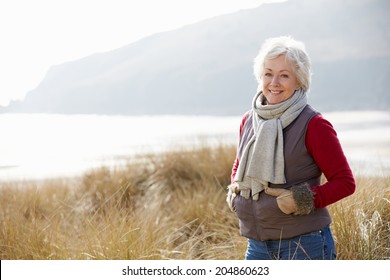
206 68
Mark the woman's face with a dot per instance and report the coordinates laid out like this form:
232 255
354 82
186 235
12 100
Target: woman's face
279 80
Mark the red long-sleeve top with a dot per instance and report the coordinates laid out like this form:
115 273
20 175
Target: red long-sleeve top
324 146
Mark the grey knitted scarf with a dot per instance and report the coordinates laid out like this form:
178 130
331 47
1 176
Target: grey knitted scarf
262 161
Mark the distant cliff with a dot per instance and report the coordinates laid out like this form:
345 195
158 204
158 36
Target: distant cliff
206 68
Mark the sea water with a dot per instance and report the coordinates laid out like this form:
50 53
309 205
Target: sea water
38 146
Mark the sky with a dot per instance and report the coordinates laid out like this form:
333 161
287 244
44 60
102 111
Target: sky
37 34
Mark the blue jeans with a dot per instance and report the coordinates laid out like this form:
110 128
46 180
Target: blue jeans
316 245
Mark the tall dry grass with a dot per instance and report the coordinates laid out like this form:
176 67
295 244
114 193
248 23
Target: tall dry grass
165 206
361 222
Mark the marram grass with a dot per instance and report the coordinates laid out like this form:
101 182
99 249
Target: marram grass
165 206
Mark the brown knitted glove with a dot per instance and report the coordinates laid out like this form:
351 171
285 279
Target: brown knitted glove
298 200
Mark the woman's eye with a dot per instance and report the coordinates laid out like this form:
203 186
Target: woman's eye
267 74
284 76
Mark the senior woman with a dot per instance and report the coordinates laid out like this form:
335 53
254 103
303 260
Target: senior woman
284 147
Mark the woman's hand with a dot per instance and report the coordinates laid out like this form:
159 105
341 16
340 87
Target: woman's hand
284 198
233 190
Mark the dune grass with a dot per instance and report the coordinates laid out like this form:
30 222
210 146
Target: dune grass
165 206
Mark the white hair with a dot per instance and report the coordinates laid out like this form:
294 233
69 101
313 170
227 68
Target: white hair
295 53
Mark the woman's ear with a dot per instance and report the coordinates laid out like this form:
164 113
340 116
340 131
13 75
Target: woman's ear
299 86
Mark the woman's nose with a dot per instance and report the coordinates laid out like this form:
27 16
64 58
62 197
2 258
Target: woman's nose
275 80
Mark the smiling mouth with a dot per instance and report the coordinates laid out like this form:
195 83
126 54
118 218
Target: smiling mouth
275 91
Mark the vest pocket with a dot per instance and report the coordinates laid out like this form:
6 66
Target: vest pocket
244 212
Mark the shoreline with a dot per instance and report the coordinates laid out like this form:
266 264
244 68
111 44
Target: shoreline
360 169
66 146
